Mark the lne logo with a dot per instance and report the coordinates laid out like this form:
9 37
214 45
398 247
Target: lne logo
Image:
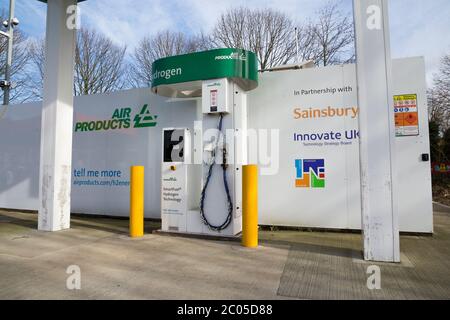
310 173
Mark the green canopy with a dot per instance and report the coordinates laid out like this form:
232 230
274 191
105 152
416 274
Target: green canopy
182 75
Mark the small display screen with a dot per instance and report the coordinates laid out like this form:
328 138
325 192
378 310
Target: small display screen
214 98
174 145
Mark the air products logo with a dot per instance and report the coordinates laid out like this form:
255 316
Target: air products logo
120 119
310 173
233 56
144 118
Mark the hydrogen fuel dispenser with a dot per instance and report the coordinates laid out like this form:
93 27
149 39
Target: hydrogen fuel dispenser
201 183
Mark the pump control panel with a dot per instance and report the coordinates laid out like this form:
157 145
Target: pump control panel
215 96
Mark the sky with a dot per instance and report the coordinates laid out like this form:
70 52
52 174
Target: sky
418 27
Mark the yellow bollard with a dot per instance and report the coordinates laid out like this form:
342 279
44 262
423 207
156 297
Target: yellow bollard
136 201
250 206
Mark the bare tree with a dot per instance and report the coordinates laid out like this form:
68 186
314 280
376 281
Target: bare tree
99 64
307 43
268 33
199 42
37 58
20 60
334 36
439 96
163 44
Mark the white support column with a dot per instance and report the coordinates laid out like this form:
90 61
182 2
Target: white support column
57 120
377 131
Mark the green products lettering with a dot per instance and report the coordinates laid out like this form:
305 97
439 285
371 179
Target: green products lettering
121 119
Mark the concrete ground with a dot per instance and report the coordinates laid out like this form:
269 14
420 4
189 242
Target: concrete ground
287 265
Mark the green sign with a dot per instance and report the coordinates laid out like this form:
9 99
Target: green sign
120 119
169 74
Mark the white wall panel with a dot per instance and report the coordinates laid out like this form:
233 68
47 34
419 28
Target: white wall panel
271 106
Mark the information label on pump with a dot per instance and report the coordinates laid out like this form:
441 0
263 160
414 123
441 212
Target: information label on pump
215 96
174 171
406 115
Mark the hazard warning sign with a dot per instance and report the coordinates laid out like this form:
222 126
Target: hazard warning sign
406 115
